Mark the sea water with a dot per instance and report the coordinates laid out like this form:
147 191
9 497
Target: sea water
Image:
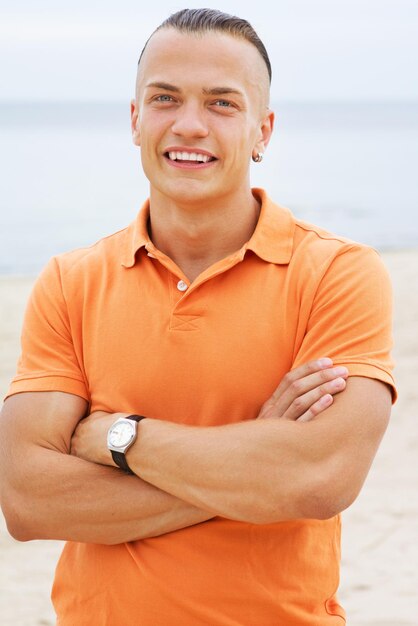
69 174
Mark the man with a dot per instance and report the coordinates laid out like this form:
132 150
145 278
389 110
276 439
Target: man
207 344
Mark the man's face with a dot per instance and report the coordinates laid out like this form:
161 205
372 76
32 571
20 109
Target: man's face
200 113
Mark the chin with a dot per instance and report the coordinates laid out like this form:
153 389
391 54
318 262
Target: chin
188 192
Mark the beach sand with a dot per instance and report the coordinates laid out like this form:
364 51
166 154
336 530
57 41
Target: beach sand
379 573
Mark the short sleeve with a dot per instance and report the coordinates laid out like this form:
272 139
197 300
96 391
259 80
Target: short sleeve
48 360
351 316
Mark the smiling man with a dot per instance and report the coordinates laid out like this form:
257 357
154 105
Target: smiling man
200 395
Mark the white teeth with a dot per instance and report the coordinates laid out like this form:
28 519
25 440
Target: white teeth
188 156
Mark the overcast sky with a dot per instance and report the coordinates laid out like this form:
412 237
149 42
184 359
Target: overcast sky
320 49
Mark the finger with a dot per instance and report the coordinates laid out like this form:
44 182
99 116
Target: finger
283 397
301 386
301 372
302 403
266 408
320 405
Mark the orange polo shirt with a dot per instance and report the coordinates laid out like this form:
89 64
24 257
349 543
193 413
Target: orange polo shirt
120 325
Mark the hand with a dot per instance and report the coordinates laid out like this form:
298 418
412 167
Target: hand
89 440
305 391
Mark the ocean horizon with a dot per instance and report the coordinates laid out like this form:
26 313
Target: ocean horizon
70 174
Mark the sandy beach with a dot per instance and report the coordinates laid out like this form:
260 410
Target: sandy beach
379 574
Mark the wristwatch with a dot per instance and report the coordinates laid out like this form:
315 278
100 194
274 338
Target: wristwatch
120 436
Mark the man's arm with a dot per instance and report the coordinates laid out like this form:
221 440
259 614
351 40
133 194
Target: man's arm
271 470
48 494
267 470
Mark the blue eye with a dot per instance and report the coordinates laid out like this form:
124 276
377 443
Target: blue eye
164 98
223 103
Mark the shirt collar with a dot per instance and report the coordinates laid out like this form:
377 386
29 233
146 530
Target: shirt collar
136 236
272 239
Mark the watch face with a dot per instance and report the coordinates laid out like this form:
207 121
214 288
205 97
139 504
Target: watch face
121 434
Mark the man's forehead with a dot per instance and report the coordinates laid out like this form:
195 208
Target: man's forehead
223 43
229 58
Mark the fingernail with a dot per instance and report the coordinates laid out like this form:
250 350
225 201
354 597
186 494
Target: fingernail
325 362
341 371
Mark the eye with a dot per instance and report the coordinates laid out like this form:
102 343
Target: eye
223 103
163 98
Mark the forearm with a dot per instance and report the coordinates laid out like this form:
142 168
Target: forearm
59 496
257 471
265 471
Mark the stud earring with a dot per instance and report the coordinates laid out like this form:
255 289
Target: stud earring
258 158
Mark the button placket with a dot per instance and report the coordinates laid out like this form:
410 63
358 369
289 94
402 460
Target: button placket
179 319
179 290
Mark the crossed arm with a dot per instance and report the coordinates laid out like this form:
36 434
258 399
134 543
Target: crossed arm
48 494
274 471
297 460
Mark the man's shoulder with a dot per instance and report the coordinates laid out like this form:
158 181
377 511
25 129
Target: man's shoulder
314 245
105 252
83 270
316 250
304 240
320 256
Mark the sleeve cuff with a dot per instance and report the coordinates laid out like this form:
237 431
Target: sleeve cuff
48 383
369 370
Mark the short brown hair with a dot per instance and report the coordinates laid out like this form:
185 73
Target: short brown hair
205 20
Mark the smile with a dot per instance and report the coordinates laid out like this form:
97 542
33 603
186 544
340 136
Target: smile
195 160
189 156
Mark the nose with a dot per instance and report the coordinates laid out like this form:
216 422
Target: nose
190 121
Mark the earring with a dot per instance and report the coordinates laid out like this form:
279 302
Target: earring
258 158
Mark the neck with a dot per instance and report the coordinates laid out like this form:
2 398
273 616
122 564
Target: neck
197 235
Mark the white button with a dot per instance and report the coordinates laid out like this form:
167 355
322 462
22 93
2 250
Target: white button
181 285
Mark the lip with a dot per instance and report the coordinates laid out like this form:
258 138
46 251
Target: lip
189 165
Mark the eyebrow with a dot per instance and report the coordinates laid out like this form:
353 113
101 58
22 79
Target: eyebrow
215 91
219 91
165 86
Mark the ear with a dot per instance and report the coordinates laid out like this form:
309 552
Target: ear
135 123
265 132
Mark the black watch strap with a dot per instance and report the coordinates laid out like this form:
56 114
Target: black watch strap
120 460
119 457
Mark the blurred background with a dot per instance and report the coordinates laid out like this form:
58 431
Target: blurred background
343 156
344 91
